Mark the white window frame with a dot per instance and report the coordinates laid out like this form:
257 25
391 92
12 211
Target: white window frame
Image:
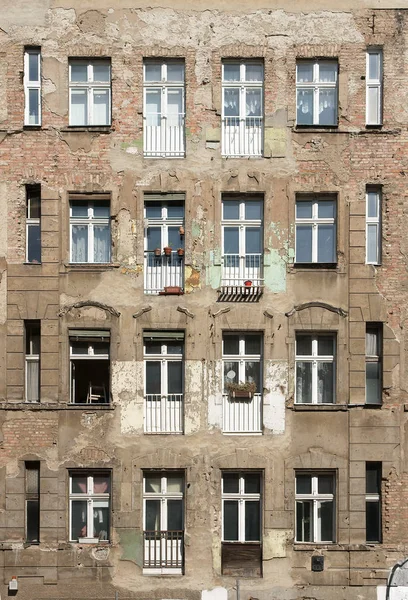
31 221
90 355
376 84
32 357
31 85
376 221
241 497
315 359
316 499
242 358
315 221
163 496
316 86
90 86
375 358
90 222
89 497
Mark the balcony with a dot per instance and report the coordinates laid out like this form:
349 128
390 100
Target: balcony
164 413
242 278
164 135
242 415
163 550
162 272
242 136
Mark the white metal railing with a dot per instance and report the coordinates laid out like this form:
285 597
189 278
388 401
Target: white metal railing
163 549
238 269
242 415
164 413
163 271
242 136
164 135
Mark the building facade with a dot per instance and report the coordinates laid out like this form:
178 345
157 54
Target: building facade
202 299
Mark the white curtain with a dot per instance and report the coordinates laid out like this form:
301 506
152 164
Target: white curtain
80 243
33 380
371 343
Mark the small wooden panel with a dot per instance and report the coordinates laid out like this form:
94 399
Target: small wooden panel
241 560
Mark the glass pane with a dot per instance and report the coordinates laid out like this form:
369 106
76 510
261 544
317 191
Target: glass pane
152 517
304 527
253 107
231 102
153 236
101 72
79 209
33 64
253 241
326 244
231 344
100 348
33 107
174 515
372 341
174 348
252 483
78 519
325 484
231 370
101 484
79 107
79 71
79 484
33 381
33 521
304 243
231 72
253 72
33 205
325 383
153 210
175 483
230 209
174 107
253 210
101 107
372 204
101 243
304 72
79 348
153 484
304 209
175 210
173 238
325 514
303 484
304 345
152 347
252 344
373 106
101 519
175 71
152 72
327 72
326 209
231 240
175 377
34 243
327 107
153 377
373 380
230 482
153 107
100 210
325 345
373 521
230 520
32 474
252 521
373 478
79 243
303 382
374 63
304 103
253 374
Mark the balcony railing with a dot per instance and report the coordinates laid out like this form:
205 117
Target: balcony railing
239 269
242 416
242 137
163 271
164 413
164 135
163 549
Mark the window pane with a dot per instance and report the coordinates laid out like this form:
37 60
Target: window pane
304 209
174 348
325 513
252 344
153 236
304 104
373 478
304 345
304 526
327 107
254 72
231 372
100 210
102 244
372 204
231 72
253 210
175 377
33 521
78 519
372 243
175 71
175 210
34 243
33 63
101 107
231 344
153 377
152 347
325 383
174 515
304 243
174 107
252 521
101 519
253 105
326 244
304 72
326 209
373 390
33 106
231 102
303 484
230 520
101 348
253 374
304 382
325 345
153 210
230 482
175 483
79 243
33 205
373 112
32 473
153 107
325 484
173 238
79 348
79 484
252 483
374 66
373 521
101 484
253 240
327 72
33 381
152 72
79 209
231 209
79 107
231 240
101 72
153 484
79 72
152 517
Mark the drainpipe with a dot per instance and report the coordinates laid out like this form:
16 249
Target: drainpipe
238 590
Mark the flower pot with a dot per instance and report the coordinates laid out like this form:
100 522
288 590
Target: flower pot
181 230
248 283
167 251
171 289
180 251
157 252
242 394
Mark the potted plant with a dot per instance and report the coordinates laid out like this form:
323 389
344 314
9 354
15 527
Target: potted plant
181 230
157 252
170 290
248 283
167 250
180 251
241 390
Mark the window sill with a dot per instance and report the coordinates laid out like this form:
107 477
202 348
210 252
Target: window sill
315 266
37 264
87 128
318 129
90 542
90 406
54 406
91 266
310 546
32 127
319 407
162 571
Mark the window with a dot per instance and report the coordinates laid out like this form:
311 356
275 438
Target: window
374 87
32 502
163 381
315 507
164 243
164 108
89 357
242 394
242 108
373 501
90 231
373 226
89 498
163 499
89 92
32 86
242 219
316 92
32 360
33 223
316 230
315 369
373 363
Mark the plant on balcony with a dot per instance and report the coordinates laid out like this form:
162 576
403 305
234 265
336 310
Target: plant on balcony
181 230
180 251
241 390
167 250
157 252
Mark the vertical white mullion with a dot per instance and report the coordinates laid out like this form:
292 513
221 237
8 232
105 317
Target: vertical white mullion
163 372
315 93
